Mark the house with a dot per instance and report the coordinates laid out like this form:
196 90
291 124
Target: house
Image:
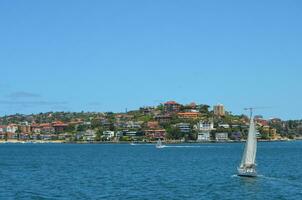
152 124
236 136
156 134
261 122
171 107
134 125
46 128
24 128
162 119
204 126
12 128
89 135
2 128
148 110
108 134
59 127
221 137
204 131
188 115
224 126
184 127
133 134
203 136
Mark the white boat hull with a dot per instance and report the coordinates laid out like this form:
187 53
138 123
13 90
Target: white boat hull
247 172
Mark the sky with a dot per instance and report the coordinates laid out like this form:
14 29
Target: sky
111 55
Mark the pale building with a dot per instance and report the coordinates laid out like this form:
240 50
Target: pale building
204 129
203 136
108 134
219 110
222 136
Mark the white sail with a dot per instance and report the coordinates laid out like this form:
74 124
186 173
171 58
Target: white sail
249 156
159 144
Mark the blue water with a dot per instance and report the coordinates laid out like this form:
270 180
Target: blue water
71 171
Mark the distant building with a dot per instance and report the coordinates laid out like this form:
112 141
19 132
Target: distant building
188 115
184 127
224 125
261 122
8 129
147 110
171 107
24 128
108 135
204 126
152 124
203 136
156 134
134 125
219 110
221 136
236 136
89 135
162 119
59 127
203 131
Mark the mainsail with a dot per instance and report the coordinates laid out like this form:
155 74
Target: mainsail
249 155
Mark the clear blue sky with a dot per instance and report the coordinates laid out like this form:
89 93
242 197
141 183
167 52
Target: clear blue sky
110 55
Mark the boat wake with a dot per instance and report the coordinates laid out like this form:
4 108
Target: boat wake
183 146
142 144
282 180
275 179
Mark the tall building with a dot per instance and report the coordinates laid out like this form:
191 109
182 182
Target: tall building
219 110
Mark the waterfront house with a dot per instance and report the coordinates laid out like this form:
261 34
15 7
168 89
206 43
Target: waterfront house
204 136
236 136
221 137
155 134
89 135
108 135
204 129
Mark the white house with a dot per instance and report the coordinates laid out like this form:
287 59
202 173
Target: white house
221 136
90 135
203 136
108 134
204 129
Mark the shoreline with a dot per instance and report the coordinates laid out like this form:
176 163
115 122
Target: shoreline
129 142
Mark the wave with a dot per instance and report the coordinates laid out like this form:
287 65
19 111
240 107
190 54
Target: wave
281 180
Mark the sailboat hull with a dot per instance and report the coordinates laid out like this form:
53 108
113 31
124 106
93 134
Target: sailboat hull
247 173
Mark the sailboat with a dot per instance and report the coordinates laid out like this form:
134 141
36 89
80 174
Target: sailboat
159 144
247 167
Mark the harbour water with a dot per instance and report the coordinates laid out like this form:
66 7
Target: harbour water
99 171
